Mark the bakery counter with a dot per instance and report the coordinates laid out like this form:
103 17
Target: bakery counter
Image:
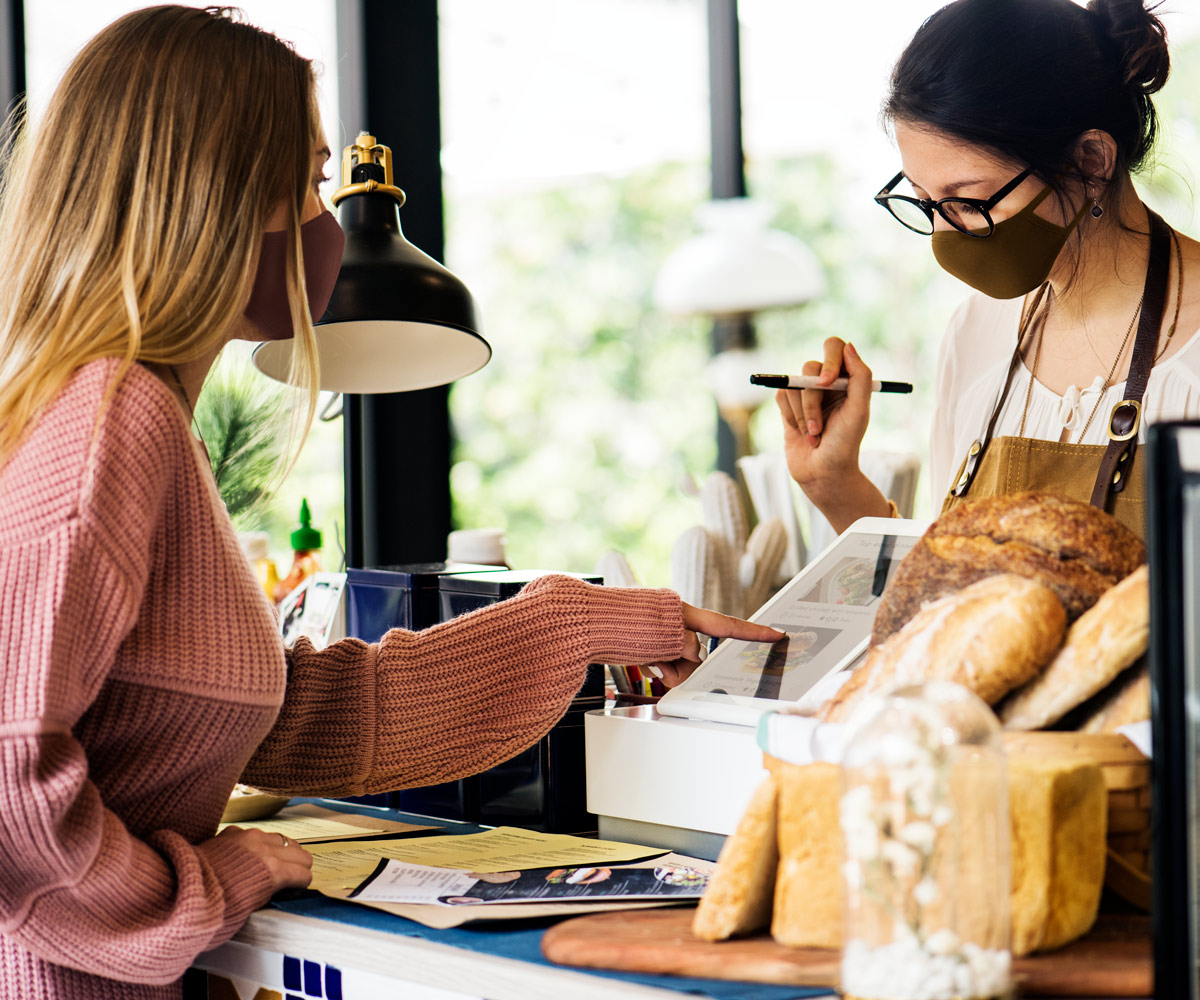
304 945
322 951
320 948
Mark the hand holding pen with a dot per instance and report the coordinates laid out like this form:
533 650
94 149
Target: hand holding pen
823 430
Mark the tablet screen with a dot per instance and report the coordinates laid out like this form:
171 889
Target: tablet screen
826 612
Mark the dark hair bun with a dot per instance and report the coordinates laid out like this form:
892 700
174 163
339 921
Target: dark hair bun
1026 78
1140 39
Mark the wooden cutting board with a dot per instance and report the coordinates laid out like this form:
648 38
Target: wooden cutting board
1113 961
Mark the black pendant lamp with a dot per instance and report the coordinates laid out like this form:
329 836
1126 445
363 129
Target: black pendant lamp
398 320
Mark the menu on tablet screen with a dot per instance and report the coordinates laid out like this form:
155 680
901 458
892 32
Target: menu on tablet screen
826 613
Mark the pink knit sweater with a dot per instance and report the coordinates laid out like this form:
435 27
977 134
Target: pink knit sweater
141 676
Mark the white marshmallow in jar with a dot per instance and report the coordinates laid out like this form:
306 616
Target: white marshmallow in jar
927 871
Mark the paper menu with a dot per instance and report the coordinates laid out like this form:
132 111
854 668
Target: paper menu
306 822
339 868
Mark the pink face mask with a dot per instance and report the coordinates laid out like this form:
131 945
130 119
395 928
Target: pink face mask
322 241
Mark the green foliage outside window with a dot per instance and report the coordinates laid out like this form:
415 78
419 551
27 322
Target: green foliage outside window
579 435
595 410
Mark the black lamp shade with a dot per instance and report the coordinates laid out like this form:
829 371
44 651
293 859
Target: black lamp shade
397 320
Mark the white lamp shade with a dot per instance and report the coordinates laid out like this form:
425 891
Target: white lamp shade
729 374
737 264
375 355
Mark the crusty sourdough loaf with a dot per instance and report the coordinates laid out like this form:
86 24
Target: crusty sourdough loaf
1071 547
990 637
1104 640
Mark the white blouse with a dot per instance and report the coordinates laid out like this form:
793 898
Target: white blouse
972 364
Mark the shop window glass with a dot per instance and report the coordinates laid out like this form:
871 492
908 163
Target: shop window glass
576 148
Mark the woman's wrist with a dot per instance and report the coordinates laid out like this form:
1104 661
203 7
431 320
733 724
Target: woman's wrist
851 497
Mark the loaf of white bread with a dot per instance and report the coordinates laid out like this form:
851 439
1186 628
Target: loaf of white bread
1058 815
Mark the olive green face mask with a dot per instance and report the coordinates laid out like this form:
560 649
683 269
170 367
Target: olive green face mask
1014 260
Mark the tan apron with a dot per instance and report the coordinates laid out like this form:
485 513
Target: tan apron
1017 464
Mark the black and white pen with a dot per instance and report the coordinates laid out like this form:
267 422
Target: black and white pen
811 382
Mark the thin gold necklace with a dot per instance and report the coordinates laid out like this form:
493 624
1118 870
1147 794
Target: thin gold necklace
1112 371
1037 353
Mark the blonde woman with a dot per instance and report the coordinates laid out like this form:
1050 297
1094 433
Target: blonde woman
165 204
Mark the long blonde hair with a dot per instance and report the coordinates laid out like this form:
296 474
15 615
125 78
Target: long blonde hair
130 218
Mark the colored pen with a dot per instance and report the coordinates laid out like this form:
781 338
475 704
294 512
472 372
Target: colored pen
810 382
620 678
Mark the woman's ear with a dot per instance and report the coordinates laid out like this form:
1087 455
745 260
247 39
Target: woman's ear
1096 158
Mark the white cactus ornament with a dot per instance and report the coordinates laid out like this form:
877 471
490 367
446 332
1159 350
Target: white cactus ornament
717 565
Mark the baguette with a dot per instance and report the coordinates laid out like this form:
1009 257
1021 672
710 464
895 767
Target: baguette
1100 646
991 637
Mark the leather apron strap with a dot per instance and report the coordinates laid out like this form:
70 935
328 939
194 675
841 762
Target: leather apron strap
1126 416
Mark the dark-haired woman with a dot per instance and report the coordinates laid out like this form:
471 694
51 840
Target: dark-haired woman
1019 123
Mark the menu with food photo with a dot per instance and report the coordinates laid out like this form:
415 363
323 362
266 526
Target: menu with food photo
399 882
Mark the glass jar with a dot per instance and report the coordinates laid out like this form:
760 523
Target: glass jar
924 816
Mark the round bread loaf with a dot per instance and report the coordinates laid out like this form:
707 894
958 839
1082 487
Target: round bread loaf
1072 548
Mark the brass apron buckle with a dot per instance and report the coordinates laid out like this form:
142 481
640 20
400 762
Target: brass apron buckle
1117 435
969 466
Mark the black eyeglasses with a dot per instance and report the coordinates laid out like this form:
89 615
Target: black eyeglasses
968 215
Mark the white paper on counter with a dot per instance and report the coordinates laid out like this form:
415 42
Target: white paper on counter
442 916
398 882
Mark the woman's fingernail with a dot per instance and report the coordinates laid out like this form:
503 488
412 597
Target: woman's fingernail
850 350
813 429
656 671
703 654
